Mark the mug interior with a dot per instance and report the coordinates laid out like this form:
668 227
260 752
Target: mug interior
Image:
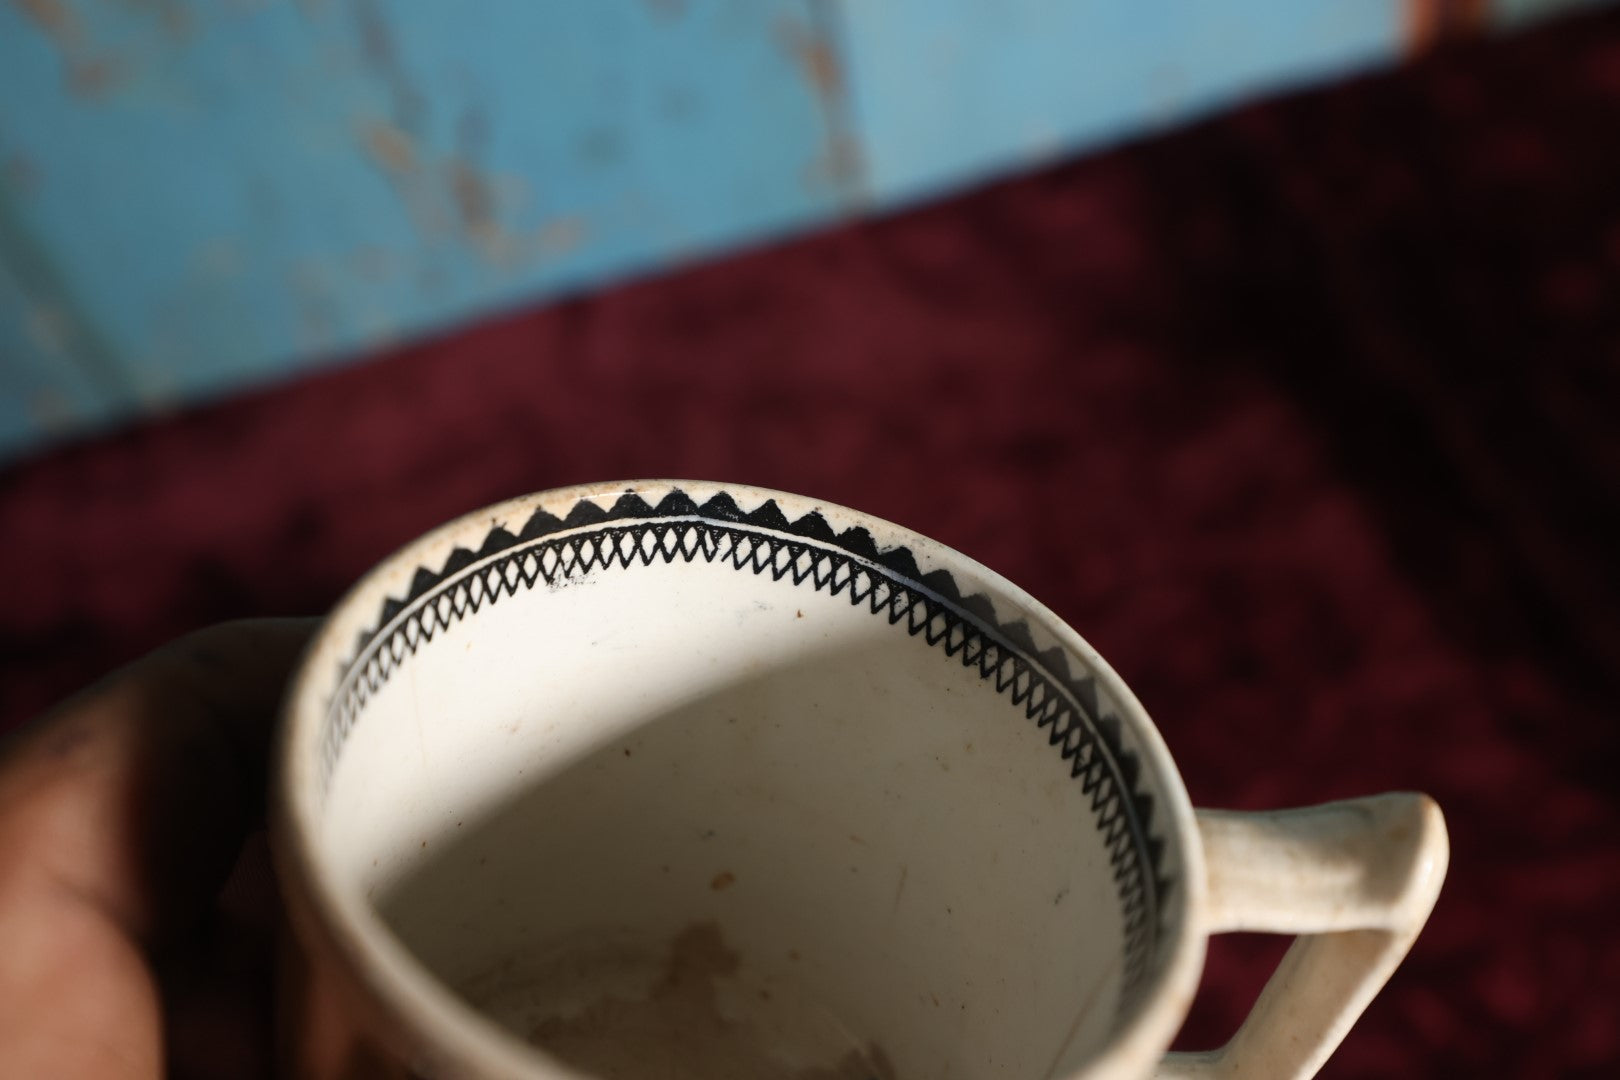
691 777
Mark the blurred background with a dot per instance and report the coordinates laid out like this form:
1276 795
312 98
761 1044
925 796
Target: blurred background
1275 344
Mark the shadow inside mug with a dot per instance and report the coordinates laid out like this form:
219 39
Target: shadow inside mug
809 870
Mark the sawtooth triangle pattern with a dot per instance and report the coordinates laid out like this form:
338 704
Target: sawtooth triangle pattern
763 541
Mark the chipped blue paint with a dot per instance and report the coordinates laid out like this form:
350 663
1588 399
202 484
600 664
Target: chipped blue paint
256 187
196 197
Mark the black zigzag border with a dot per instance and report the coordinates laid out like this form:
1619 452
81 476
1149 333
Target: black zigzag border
763 540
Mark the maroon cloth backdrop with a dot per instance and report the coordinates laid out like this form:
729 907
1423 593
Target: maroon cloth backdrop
1306 417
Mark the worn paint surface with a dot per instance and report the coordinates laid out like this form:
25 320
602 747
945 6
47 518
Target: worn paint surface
198 196
202 195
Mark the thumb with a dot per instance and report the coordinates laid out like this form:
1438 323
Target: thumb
120 814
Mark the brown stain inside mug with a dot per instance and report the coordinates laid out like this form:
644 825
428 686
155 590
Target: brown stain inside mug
679 1032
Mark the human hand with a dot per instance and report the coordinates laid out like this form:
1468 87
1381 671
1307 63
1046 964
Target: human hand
122 813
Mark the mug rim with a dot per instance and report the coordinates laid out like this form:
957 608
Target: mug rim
394 991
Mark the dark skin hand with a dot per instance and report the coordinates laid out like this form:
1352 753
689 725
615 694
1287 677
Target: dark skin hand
124 952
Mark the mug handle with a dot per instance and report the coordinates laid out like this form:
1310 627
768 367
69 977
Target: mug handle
1355 880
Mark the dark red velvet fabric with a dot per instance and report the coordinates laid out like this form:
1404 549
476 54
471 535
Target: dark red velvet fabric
1305 417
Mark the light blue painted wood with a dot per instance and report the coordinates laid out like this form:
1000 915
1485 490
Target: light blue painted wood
232 190
947 94
45 386
196 196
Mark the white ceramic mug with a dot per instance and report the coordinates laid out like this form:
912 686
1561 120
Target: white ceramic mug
631 779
